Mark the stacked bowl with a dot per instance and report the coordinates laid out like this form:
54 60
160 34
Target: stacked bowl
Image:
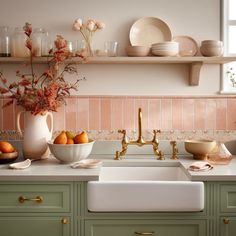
212 48
168 48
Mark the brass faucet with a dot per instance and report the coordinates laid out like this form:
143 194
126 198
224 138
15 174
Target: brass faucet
140 141
174 150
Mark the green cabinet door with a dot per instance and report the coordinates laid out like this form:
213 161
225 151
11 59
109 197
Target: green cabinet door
145 227
227 226
35 226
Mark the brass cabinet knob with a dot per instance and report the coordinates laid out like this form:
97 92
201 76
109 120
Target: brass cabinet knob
226 221
64 221
37 199
143 233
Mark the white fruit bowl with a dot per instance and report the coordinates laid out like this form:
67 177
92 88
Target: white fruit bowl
68 153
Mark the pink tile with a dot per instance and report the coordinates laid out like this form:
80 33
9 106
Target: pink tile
71 114
8 116
117 113
210 115
154 121
231 114
199 114
143 104
166 114
94 114
82 113
221 111
129 113
177 114
188 114
106 113
59 119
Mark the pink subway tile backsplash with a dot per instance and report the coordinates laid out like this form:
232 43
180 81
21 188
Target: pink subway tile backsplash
188 114
113 113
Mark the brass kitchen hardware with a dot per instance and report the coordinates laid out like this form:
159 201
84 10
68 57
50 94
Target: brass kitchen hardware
174 150
64 221
140 141
226 221
144 233
38 199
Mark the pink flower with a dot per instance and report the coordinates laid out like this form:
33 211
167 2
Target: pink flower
77 24
91 25
100 24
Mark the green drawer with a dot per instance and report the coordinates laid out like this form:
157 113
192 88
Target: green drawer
35 198
227 198
35 226
145 227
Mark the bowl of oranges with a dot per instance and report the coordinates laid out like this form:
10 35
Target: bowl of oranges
67 147
7 152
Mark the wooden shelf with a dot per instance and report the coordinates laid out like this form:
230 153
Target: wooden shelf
195 63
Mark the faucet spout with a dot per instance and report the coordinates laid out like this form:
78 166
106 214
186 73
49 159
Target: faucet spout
140 139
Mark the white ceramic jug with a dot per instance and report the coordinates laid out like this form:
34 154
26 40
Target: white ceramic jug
36 134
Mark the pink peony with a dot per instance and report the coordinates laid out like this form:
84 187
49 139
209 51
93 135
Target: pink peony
77 24
91 24
100 24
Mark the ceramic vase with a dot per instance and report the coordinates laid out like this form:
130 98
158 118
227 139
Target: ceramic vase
36 134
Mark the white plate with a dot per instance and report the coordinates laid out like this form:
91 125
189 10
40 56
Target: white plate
149 30
187 45
86 163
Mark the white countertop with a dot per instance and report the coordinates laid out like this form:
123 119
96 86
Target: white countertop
51 170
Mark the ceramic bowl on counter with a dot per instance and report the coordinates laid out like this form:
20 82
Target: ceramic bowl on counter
137 51
199 148
68 153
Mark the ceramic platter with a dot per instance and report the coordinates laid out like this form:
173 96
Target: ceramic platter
149 30
187 45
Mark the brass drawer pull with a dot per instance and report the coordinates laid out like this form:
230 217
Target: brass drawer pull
38 199
64 221
226 221
143 233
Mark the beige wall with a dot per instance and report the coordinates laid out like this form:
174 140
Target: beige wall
199 19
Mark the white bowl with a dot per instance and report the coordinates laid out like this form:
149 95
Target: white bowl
71 152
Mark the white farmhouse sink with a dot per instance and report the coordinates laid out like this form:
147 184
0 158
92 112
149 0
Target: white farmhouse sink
144 189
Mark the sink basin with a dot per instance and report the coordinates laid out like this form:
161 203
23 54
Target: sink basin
144 189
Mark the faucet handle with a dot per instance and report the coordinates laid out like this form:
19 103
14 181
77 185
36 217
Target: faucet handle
174 150
156 131
117 156
122 131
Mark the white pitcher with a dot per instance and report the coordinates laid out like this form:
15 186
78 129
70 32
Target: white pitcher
36 134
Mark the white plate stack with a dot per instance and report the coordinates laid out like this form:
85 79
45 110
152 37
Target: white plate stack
165 49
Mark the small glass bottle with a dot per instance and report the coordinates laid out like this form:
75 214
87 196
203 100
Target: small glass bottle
19 48
37 41
5 39
47 44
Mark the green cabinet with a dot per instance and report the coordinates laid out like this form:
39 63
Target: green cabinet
34 226
38 209
145 227
227 226
227 209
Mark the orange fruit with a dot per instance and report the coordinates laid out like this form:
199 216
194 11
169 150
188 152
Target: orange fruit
61 138
6 147
70 141
81 138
